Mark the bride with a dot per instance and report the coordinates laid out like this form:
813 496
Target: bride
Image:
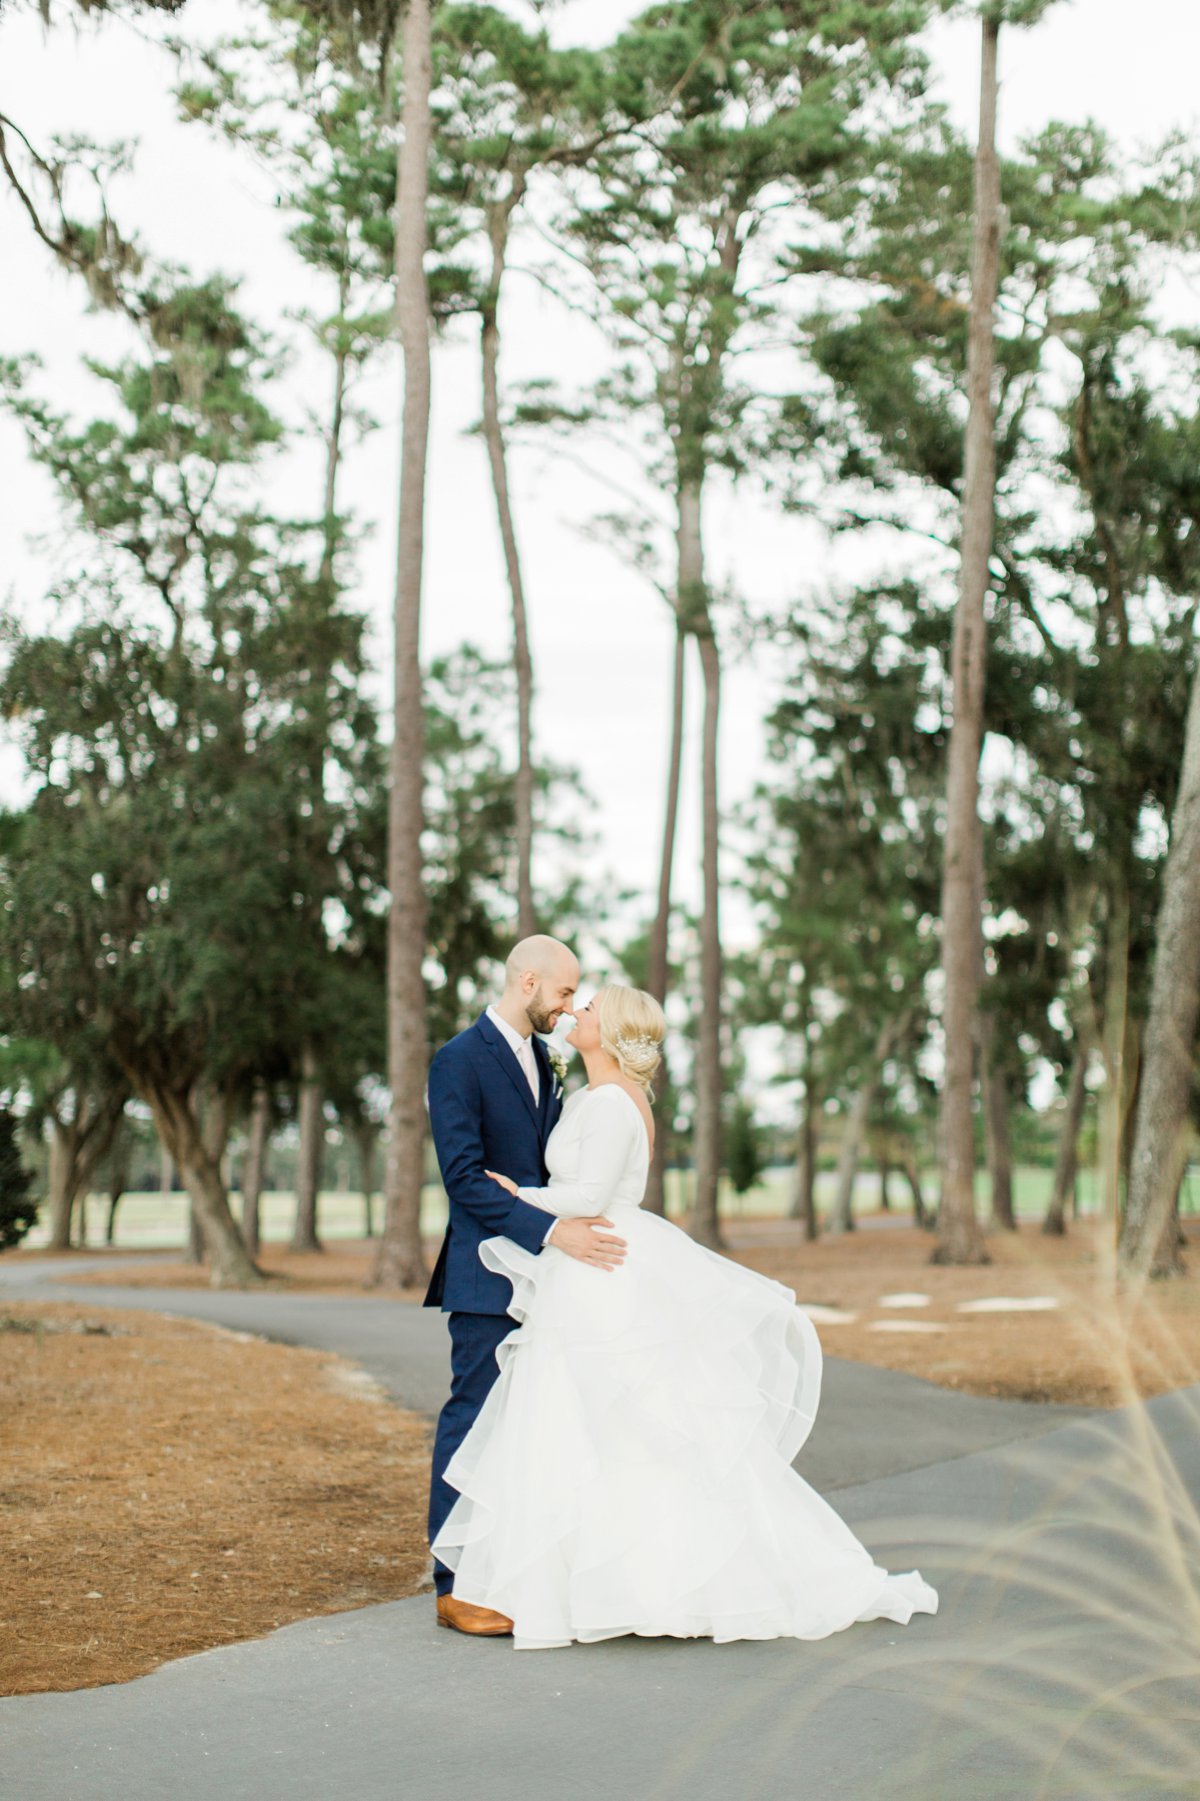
630 1470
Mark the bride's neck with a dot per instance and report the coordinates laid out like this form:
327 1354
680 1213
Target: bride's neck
600 1067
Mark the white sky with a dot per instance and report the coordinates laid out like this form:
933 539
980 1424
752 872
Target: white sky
601 640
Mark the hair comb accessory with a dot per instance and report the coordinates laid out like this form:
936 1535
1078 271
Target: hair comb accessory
636 1044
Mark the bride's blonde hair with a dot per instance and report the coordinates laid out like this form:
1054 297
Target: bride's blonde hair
632 1028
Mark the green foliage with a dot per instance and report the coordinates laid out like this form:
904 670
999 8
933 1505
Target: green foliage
170 877
1090 638
315 118
1000 12
470 816
469 845
844 863
45 7
719 123
196 887
745 1157
18 1214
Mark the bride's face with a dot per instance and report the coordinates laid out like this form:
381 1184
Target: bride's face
585 1034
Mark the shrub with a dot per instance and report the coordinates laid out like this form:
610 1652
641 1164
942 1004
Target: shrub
18 1214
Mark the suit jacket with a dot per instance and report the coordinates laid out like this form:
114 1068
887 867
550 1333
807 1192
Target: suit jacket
484 1116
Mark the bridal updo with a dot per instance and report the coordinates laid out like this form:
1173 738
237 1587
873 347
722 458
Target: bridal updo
632 1029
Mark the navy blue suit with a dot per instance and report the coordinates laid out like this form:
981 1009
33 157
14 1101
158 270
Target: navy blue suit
483 1116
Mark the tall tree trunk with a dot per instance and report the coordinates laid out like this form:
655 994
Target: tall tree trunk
166 1170
999 1143
311 1098
1168 1259
399 1262
841 1218
116 1190
254 1168
193 1247
309 1155
959 1238
705 1222
885 1169
658 960
199 1164
367 1135
658 953
655 1199
994 1084
912 1175
697 618
1067 1155
333 444
118 1177
1150 1238
193 1244
804 1179
1113 1036
1131 1096
77 1145
499 217
1172 1239
60 1191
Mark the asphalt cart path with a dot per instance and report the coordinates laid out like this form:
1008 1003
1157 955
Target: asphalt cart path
1064 1662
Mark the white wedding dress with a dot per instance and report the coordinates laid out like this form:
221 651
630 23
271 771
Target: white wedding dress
630 1469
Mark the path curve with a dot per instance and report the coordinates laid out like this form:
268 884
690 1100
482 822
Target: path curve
1065 1660
873 1422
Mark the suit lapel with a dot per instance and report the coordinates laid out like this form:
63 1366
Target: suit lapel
508 1063
545 1080
548 1108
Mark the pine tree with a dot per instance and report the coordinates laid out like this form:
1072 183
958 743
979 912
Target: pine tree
732 108
510 108
169 743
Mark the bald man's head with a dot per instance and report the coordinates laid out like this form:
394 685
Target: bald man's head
541 975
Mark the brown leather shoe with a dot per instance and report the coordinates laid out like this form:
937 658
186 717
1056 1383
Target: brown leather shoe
464 1616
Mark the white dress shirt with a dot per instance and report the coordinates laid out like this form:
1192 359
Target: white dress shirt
522 1050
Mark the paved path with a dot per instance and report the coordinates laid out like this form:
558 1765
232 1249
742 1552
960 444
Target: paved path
1065 1661
872 1422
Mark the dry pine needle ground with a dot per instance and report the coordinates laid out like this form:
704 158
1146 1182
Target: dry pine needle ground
1096 1348
167 1487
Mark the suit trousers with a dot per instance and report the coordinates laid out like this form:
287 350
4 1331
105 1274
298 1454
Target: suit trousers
474 1339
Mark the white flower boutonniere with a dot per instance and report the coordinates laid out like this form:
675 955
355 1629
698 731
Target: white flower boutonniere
558 1064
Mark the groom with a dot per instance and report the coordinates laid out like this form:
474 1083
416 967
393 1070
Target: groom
493 1103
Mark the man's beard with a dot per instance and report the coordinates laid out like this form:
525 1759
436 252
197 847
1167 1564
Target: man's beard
538 1015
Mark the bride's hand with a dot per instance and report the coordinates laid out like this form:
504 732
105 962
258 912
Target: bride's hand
504 1181
584 1239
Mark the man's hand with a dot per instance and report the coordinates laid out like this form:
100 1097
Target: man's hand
584 1239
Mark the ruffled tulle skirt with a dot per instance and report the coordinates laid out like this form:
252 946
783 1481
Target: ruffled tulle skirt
630 1469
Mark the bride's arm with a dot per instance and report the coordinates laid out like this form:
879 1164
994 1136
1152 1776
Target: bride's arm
606 1128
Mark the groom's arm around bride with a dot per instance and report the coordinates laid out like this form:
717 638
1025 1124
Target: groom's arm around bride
467 1130
482 1118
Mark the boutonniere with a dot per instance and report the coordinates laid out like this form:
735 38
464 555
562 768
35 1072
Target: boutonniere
558 1066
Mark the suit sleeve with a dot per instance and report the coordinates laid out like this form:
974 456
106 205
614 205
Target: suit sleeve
607 1129
456 1117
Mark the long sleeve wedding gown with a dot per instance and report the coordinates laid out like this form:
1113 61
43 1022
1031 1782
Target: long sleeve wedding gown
630 1471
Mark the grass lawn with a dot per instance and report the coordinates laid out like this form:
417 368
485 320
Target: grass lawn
148 1221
